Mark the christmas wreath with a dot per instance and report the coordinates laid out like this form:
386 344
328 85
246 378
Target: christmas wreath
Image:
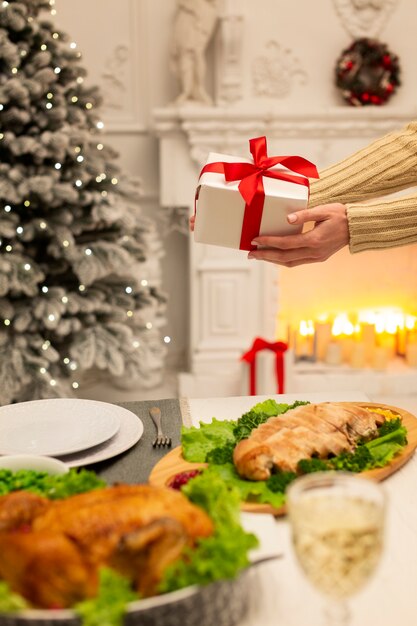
367 73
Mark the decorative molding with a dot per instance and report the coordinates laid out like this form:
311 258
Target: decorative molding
364 18
274 73
218 129
114 78
229 58
174 219
124 128
119 78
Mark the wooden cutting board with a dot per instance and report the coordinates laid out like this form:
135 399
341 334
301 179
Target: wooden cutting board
173 463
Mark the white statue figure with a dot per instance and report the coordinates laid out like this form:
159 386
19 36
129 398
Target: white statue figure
194 24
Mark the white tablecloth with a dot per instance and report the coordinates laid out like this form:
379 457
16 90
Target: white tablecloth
283 596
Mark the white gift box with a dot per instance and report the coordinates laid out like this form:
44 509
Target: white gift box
220 206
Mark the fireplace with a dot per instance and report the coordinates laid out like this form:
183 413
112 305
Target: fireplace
233 300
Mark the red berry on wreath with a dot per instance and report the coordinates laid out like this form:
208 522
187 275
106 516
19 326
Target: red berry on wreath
367 73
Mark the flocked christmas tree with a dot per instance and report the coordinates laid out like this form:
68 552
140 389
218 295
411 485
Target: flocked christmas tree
79 284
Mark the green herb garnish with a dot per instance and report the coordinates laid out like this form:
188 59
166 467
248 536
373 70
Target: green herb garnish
53 486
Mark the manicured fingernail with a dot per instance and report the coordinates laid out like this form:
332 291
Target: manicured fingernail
253 243
292 218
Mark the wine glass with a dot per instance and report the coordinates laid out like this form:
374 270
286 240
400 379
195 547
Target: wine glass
337 524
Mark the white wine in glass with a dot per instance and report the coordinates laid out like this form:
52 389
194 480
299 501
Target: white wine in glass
337 524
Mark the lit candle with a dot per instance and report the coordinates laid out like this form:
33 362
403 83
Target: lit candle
305 342
323 337
388 341
368 339
380 358
400 341
334 353
347 344
411 354
357 358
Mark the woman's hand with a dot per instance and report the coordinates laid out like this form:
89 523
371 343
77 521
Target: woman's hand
191 223
329 234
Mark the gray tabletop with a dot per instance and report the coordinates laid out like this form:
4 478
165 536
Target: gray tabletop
135 465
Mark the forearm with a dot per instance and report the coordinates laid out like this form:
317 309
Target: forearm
385 166
382 225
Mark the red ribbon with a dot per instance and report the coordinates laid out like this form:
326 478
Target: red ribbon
259 344
251 182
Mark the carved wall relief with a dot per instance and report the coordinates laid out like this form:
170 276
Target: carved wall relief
364 18
193 28
274 73
229 81
114 78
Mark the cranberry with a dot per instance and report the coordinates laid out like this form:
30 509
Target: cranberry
181 479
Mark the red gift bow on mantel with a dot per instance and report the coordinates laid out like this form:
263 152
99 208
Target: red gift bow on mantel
259 344
251 182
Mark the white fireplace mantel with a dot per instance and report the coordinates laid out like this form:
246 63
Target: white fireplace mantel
233 300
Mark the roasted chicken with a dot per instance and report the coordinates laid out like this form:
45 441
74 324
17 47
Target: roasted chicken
324 429
52 557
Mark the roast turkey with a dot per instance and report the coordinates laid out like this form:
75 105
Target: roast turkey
324 429
51 551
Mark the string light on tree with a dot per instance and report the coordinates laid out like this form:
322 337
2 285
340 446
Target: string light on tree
71 277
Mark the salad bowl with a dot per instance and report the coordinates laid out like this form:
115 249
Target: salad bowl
222 603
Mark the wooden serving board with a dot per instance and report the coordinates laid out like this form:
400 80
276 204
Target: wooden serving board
173 463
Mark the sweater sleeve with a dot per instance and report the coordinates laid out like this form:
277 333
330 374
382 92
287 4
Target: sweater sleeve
384 224
385 166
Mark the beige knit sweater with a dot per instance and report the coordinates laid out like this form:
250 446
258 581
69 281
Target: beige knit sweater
382 168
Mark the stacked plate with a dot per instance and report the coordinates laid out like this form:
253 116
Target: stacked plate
79 432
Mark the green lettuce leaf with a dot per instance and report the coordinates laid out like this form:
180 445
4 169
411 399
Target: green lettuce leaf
248 490
226 552
10 602
198 441
383 449
108 607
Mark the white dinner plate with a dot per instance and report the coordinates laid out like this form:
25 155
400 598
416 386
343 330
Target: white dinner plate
56 426
129 433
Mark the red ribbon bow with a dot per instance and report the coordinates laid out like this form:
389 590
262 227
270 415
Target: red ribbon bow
251 185
259 344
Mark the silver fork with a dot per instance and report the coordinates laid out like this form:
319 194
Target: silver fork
161 440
